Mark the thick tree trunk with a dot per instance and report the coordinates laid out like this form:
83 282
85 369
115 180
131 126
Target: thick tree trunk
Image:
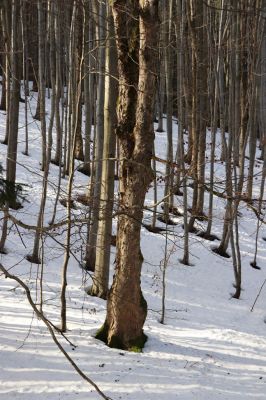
126 307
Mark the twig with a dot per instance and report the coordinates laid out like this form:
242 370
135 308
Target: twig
258 295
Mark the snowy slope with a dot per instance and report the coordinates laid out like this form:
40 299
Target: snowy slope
210 347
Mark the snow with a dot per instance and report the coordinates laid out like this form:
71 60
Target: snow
211 346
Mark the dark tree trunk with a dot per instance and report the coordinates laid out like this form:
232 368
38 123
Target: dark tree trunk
126 306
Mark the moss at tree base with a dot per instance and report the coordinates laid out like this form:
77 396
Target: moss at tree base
135 345
138 344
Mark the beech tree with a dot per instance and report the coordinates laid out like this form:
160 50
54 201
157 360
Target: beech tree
136 28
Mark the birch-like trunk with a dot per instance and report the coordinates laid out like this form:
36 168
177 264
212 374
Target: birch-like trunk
101 274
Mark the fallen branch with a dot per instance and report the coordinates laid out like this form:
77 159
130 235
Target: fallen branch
51 331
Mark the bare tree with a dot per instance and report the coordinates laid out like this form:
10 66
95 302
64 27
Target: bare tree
136 43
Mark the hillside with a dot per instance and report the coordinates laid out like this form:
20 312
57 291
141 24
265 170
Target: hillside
211 345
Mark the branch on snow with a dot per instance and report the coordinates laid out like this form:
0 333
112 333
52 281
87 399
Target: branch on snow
50 327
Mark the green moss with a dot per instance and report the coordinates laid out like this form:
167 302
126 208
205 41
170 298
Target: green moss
138 344
135 345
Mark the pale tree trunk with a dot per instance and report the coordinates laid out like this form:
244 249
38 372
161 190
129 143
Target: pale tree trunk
77 104
257 40
262 91
181 118
228 217
24 32
101 275
63 311
6 27
179 32
195 109
88 85
202 72
262 131
4 59
57 160
126 307
71 90
12 118
13 108
168 190
46 147
56 35
41 78
161 70
244 83
75 133
14 90
52 68
91 245
214 117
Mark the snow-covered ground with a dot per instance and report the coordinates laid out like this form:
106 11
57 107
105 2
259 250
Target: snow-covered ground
211 346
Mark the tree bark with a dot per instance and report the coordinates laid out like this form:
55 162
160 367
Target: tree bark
126 306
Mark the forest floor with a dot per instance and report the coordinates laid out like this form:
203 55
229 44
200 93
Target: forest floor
211 345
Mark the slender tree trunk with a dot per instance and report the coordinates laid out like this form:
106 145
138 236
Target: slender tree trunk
168 189
13 108
91 246
88 85
101 275
46 147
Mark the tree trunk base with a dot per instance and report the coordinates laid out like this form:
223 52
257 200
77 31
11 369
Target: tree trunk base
15 205
88 265
115 341
33 259
221 252
173 210
85 169
208 236
254 265
167 221
192 229
186 262
96 292
55 161
237 293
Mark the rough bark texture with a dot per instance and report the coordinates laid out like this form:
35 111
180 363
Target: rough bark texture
136 35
